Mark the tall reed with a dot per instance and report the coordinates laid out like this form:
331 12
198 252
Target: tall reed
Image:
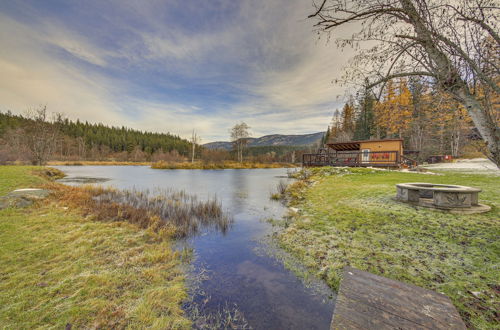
185 212
173 212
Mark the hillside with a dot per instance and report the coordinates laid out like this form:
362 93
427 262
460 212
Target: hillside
83 140
272 140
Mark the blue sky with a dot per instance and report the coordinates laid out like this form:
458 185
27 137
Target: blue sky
171 65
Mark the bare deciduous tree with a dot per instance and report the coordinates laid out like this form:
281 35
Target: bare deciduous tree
455 44
195 139
39 135
239 136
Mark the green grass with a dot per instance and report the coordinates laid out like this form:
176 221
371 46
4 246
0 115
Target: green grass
13 177
351 219
59 268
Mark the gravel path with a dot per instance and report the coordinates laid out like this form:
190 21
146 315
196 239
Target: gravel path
476 165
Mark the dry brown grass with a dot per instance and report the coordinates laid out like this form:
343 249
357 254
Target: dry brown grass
169 213
59 268
48 173
96 162
217 165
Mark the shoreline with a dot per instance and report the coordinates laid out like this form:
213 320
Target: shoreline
346 217
177 165
218 165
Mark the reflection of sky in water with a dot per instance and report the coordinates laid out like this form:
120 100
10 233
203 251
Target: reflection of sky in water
268 295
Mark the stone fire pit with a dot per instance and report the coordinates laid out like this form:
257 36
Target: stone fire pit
453 198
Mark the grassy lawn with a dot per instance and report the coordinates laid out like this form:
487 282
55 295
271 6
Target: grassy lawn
59 268
13 177
350 219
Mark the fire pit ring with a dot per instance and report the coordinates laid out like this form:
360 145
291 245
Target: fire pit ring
453 198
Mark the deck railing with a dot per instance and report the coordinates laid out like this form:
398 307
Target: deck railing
353 158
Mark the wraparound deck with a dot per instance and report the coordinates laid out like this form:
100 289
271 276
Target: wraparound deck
357 159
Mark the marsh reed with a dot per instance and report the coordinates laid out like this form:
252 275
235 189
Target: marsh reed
172 212
185 212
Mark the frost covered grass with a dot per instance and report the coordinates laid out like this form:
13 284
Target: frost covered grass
348 217
61 269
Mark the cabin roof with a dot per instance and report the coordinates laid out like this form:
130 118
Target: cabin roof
354 145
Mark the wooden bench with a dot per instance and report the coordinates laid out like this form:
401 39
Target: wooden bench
368 301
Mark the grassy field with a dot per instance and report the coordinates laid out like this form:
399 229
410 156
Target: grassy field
13 177
58 267
348 217
218 165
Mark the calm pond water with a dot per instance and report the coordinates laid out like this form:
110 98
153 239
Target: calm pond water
235 272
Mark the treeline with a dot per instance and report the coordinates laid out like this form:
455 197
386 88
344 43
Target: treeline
429 121
259 154
37 138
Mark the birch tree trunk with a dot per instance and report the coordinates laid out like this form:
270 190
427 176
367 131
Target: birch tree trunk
454 44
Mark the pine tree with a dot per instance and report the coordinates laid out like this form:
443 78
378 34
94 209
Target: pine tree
326 137
348 118
365 120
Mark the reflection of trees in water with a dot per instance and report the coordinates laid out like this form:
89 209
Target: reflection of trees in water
207 311
239 189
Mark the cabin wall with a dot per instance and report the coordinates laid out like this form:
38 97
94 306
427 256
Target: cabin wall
381 146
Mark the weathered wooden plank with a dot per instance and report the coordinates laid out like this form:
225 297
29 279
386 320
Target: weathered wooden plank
366 316
368 301
427 315
424 307
423 304
360 275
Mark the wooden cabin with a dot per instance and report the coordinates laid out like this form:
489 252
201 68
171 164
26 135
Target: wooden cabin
378 153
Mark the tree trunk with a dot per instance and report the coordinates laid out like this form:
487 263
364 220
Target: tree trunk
241 152
441 139
450 80
192 154
484 124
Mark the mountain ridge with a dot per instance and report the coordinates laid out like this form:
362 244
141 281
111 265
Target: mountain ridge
272 140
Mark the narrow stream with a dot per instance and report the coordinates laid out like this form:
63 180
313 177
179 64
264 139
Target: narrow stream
233 277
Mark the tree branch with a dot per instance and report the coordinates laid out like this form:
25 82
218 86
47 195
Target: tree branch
479 22
333 22
400 75
319 10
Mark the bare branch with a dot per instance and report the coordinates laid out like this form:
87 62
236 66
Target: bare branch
320 8
400 75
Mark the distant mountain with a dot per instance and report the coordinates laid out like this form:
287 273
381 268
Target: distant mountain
272 140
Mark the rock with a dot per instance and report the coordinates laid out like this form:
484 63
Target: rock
30 193
22 197
476 293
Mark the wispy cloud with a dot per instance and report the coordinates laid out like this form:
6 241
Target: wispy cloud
171 66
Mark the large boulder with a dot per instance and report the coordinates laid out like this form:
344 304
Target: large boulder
22 197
